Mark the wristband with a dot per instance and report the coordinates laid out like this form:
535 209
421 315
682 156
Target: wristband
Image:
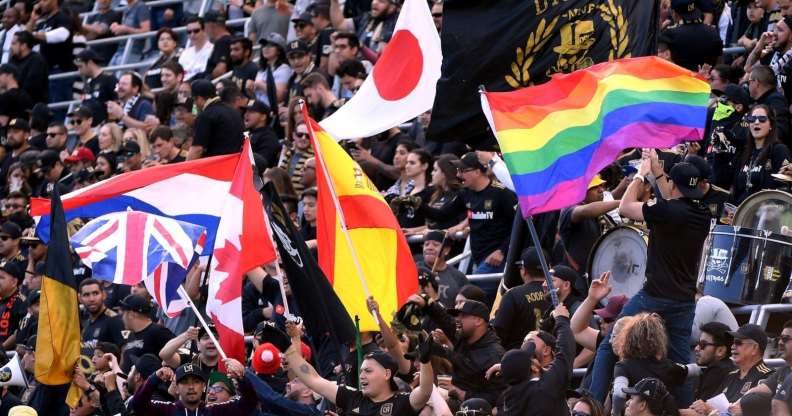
660 177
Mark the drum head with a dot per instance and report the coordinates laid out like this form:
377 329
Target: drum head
767 211
622 251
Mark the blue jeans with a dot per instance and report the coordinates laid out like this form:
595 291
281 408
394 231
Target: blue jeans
678 317
484 268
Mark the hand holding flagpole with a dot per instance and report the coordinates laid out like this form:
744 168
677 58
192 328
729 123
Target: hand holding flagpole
205 326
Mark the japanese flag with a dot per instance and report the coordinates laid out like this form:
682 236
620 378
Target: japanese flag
402 84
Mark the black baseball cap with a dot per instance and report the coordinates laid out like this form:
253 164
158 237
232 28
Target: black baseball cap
89 54
267 331
475 407
471 307
297 46
136 303
737 95
566 274
703 167
516 364
129 148
303 17
19 124
530 259
15 269
47 159
202 330
386 361
11 229
273 38
753 332
203 88
469 160
686 8
435 235
686 178
82 111
147 364
650 389
259 107
189 370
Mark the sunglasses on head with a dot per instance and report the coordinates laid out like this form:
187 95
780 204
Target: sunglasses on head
753 119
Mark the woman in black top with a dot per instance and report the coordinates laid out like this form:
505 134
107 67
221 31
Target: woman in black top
413 184
763 155
445 196
168 45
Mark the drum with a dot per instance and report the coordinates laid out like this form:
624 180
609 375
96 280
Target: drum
769 210
623 251
747 266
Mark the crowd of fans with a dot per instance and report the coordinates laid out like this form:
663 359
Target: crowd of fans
450 350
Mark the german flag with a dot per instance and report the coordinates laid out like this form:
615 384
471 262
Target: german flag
58 341
382 251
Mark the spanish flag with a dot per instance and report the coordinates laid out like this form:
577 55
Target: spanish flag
58 342
346 197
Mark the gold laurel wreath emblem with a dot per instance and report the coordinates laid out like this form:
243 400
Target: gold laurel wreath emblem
610 13
525 57
619 33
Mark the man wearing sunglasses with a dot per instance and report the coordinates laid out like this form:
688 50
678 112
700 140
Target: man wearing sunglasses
81 121
750 342
762 88
54 173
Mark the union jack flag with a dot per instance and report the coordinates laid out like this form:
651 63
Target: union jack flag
127 247
163 285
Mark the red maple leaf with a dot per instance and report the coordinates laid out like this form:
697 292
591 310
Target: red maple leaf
228 258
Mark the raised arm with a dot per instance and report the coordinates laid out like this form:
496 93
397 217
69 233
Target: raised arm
389 339
630 206
579 324
170 352
421 394
304 371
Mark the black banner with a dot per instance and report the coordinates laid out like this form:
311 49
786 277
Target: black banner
326 320
510 44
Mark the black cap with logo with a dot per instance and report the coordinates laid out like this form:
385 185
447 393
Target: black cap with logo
473 308
686 178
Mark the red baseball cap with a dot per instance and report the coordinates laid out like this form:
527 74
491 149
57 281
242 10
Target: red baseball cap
613 308
81 154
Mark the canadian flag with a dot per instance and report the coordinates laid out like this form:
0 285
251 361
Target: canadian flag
403 82
242 243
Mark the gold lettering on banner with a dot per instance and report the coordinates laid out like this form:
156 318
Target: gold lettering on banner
576 34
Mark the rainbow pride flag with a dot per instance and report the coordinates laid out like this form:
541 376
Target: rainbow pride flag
556 136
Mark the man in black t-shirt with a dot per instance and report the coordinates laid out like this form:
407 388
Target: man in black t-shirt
103 324
522 307
14 102
490 209
263 140
579 225
750 342
436 249
678 227
379 393
13 305
218 128
99 87
146 337
244 69
33 68
713 352
219 61
98 25
692 42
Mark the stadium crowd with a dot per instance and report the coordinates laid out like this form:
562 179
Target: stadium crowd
451 350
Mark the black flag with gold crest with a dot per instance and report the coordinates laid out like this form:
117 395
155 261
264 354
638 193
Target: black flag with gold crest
510 44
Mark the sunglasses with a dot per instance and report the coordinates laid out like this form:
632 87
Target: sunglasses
753 119
437 14
740 342
704 344
460 170
300 25
54 134
217 389
5 237
76 121
194 31
578 413
301 135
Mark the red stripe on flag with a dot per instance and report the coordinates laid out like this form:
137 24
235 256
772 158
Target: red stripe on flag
134 256
366 211
103 235
171 242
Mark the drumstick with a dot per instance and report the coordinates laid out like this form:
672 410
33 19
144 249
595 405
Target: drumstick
437 257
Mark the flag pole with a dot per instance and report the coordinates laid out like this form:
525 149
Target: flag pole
542 261
186 297
339 211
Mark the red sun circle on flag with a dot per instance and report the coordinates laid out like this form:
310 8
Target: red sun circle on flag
399 69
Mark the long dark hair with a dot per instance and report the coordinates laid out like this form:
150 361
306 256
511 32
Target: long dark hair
445 163
424 158
770 140
280 60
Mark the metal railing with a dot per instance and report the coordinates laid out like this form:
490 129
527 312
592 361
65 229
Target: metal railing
150 4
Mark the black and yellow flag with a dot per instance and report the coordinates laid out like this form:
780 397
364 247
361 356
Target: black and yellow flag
58 341
518 43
